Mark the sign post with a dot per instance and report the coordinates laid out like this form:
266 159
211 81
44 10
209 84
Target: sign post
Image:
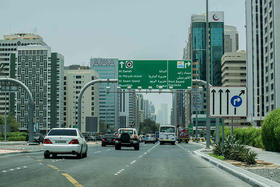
227 102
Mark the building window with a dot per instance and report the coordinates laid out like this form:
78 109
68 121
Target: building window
271 76
272 107
272 97
271 45
272 86
271 66
266 98
271 55
266 69
267 109
266 89
266 79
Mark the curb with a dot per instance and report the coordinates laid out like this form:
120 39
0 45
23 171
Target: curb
13 143
244 175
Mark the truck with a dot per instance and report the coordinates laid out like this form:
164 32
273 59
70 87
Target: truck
183 135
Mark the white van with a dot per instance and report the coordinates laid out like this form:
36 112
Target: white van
167 134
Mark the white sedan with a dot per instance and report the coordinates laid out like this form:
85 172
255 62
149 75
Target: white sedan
65 141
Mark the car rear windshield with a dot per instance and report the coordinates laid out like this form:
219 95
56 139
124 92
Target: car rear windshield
130 132
62 132
167 129
109 136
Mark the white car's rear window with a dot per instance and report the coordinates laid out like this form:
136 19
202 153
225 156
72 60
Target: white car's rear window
62 132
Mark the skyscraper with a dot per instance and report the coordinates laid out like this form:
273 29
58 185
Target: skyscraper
107 68
263 78
75 77
9 46
231 43
41 71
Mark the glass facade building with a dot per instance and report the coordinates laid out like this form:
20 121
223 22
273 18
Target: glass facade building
107 68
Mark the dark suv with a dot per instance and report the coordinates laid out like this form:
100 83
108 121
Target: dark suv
127 137
108 139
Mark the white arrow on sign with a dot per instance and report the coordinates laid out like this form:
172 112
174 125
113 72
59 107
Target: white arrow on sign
122 63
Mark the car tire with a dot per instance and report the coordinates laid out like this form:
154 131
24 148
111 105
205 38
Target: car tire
145 142
80 155
54 155
103 145
136 147
85 154
161 143
154 142
46 155
173 143
117 147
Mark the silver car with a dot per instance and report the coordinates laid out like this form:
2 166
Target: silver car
65 141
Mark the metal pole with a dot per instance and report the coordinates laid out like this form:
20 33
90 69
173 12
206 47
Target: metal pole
207 81
232 126
196 125
217 131
223 131
5 120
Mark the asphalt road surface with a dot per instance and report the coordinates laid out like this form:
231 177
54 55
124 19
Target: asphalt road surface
153 165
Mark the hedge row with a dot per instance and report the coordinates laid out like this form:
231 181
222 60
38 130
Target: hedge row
248 136
14 136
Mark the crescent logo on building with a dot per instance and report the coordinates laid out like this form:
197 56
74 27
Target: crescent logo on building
215 17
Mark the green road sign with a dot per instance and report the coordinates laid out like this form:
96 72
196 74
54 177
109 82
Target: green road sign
190 129
154 74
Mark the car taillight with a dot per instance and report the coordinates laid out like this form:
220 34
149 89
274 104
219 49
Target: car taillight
47 141
74 141
116 136
135 136
114 139
103 140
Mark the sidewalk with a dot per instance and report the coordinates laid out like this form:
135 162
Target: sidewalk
14 143
267 156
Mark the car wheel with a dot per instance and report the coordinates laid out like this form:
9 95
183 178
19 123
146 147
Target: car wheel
103 145
117 147
173 143
145 142
136 147
80 155
85 154
154 142
54 155
46 154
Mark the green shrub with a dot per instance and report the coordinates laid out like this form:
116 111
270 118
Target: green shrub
218 149
271 131
233 150
16 138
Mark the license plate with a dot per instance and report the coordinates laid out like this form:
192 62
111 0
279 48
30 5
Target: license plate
60 141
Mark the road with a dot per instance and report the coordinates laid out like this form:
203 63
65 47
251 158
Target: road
153 165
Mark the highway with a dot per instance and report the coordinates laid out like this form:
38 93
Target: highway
153 165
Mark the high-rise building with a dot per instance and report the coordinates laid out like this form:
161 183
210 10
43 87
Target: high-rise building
140 109
263 78
163 114
107 68
234 74
75 77
231 43
9 46
128 109
196 52
40 70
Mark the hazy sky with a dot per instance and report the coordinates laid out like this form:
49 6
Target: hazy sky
124 29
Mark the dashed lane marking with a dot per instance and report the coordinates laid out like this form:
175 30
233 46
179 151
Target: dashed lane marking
133 162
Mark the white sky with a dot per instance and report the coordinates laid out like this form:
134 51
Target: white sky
124 29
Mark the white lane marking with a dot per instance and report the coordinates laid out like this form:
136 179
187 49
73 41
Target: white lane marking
133 162
140 156
18 168
97 152
24 166
4 171
11 169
